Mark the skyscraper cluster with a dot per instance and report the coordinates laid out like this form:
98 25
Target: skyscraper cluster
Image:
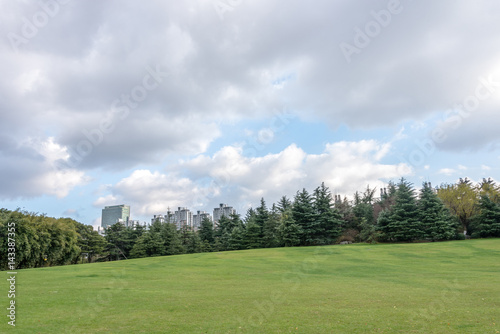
182 217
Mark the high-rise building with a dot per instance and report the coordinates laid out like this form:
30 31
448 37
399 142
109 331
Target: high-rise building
222 210
183 217
115 214
159 218
198 218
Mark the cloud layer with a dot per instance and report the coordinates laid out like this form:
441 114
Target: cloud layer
124 86
229 177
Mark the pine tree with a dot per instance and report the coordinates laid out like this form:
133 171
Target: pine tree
437 221
401 222
363 207
206 246
194 244
206 232
235 240
327 219
486 224
252 236
171 239
384 225
284 204
289 233
261 215
303 215
223 227
149 244
250 215
270 228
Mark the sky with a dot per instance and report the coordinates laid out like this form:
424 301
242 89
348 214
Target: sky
162 104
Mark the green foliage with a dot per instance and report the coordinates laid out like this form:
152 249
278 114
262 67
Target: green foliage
284 204
289 232
171 239
121 239
327 219
401 223
261 216
90 242
270 229
303 215
252 235
206 231
147 245
236 239
39 240
437 221
461 199
487 223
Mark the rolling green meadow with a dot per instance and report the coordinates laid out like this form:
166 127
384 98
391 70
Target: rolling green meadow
447 287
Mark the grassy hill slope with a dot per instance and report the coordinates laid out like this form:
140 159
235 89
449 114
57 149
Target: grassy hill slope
451 287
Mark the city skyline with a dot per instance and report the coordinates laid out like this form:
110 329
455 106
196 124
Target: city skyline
181 217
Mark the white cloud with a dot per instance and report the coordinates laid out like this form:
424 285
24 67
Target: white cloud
447 171
229 177
31 168
485 168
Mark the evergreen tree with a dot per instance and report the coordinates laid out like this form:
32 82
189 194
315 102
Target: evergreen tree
252 235
363 207
149 244
206 232
217 246
327 220
235 240
385 226
117 242
250 215
437 221
194 244
487 223
284 204
90 241
303 215
270 229
345 210
289 233
236 221
261 216
206 246
402 223
224 225
171 239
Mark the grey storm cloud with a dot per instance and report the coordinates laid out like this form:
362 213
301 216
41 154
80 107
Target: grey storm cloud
64 63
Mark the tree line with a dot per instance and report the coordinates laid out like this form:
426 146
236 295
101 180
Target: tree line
399 214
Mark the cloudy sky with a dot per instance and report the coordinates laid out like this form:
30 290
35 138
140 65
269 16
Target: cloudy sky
161 104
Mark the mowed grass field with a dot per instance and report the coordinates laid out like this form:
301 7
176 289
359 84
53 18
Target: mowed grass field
449 287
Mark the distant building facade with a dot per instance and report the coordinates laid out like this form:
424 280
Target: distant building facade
115 214
222 210
183 217
198 218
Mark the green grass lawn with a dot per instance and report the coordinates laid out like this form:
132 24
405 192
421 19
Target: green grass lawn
449 287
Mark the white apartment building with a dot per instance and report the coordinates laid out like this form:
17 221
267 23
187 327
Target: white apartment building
183 217
198 217
222 210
